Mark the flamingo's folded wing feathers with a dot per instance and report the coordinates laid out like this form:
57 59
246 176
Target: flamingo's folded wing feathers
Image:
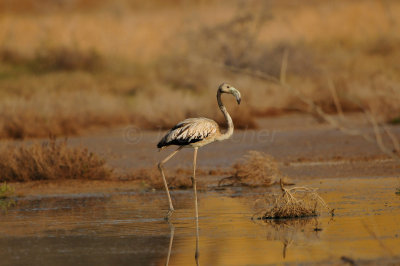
189 131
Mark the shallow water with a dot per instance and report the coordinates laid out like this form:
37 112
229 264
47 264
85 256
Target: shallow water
128 228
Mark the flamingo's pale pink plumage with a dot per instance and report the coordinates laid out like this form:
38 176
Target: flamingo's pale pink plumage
195 133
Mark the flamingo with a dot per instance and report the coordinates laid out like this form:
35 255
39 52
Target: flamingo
195 133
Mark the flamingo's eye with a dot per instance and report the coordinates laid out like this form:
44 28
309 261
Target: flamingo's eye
228 87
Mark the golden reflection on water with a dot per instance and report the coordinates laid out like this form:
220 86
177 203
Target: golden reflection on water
366 226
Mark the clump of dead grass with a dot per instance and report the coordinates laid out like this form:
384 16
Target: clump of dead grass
296 202
51 160
254 169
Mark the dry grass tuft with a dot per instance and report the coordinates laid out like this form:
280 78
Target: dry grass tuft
50 161
255 169
296 202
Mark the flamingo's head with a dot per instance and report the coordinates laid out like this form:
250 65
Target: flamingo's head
226 88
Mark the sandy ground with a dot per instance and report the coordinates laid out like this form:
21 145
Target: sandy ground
303 147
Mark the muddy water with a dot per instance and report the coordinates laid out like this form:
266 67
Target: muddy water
128 228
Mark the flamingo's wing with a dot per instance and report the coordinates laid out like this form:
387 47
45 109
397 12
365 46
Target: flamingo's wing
189 131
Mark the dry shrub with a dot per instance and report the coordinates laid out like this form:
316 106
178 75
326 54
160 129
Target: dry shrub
10 56
67 113
54 59
254 169
64 113
296 202
50 161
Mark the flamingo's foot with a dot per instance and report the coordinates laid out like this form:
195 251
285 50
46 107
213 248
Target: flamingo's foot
169 213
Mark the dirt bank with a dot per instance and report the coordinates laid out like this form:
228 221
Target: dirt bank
304 149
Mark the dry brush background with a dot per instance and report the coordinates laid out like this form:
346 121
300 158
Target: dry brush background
66 66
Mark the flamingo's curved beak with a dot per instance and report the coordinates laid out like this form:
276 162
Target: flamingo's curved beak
237 95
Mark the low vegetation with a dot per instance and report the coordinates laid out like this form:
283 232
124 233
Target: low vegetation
254 169
53 59
6 191
52 160
55 160
296 202
58 113
105 72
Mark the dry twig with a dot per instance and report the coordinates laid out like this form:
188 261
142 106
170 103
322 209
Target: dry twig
296 202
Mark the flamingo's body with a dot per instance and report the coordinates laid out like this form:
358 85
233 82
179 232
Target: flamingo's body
195 133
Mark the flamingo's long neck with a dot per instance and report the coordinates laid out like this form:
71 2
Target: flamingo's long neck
228 133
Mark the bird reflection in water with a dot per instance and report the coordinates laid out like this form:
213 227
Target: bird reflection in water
171 240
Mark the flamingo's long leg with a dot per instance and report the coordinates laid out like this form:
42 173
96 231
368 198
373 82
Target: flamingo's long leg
160 167
196 207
